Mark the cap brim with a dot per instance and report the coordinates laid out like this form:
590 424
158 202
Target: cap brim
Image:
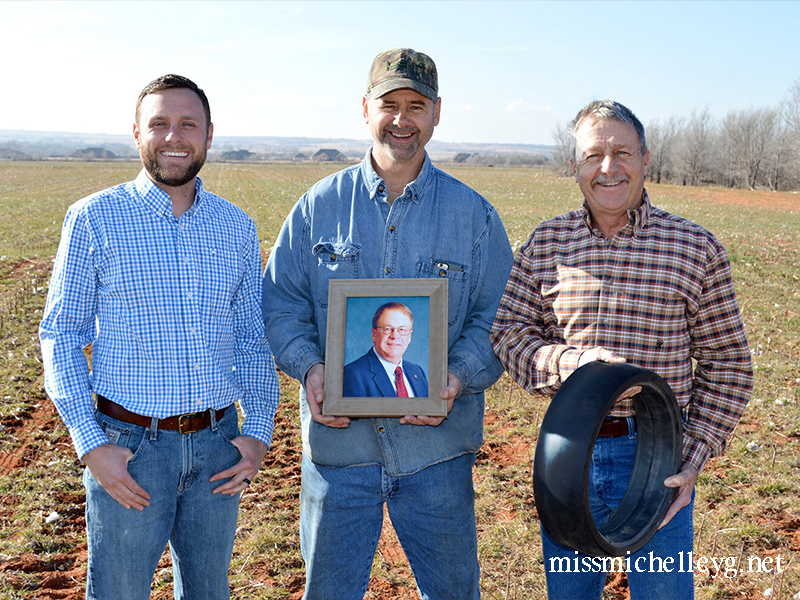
384 87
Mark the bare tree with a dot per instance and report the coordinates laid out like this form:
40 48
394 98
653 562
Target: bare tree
785 172
749 137
661 139
791 110
695 146
562 154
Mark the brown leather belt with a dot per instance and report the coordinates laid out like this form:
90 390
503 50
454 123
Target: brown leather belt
187 423
615 427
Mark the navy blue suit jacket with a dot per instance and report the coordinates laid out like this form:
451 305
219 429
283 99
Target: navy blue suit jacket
365 377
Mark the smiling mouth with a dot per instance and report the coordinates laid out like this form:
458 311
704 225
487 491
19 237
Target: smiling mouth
175 154
400 136
611 183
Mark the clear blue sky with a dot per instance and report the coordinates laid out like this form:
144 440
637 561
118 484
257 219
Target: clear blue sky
508 71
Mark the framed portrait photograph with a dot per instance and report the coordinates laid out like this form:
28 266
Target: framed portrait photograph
386 353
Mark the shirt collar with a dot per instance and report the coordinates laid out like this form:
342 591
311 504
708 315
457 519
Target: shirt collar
374 182
637 217
158 200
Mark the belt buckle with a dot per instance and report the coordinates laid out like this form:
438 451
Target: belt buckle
188 417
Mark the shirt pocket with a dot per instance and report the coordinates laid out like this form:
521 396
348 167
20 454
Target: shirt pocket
658 320
335 260
221 270
457 278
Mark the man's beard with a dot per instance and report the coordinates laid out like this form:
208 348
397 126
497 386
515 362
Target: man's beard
164 176
398 153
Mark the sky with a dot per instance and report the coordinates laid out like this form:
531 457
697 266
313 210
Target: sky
509 72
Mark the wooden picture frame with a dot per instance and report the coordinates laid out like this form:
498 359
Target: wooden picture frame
349 339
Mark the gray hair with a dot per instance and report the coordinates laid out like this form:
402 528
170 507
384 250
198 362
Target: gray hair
606 110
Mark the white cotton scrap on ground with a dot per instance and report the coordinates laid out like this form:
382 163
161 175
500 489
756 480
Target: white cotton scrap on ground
52 517
753 447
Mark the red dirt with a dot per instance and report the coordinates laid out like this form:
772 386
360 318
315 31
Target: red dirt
756 198
62 576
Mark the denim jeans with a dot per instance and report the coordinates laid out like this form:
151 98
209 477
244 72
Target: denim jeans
660 570
432 511
126 545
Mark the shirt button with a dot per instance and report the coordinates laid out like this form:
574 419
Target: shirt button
193 330
387 270
381 188
333 257
189 295
442 273
196 366
381 429
391 228
186 260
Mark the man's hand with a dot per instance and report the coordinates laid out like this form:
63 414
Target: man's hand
108 464
315 394
601 354
685 482
449 393
609 356
253 452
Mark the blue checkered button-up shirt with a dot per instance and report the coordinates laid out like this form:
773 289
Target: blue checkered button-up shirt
171 307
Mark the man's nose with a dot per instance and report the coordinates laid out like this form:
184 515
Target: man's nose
174 134
401 118
608 163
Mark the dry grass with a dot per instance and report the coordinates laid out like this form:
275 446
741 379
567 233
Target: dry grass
748 503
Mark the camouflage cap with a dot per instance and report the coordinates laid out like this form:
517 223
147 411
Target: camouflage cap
403 68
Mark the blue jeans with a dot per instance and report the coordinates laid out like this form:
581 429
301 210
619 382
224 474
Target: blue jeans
432 511
126 545
660 570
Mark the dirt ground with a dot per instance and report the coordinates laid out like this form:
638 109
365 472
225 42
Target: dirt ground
63 576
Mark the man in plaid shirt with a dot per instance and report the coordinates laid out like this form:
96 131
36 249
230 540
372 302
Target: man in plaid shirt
621 280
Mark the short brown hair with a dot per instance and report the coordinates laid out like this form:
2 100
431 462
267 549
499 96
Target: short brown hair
169 82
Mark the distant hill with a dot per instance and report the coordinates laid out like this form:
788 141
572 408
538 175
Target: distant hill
39 145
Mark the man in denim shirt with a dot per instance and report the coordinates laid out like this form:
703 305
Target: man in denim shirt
392 216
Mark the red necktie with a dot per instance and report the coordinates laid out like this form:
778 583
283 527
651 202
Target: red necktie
402 392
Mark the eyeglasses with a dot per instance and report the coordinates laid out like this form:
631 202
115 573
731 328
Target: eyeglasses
386 330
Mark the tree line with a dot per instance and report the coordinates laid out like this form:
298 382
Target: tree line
754 148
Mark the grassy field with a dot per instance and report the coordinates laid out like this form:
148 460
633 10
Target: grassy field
748 506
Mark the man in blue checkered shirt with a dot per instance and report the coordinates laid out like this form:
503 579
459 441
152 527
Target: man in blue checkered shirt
163 280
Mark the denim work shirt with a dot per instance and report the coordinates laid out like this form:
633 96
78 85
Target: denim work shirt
344 228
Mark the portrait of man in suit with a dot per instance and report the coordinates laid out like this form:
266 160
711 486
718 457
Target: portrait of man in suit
382 372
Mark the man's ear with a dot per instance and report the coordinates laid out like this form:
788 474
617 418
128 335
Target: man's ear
210 135
136 135
365 108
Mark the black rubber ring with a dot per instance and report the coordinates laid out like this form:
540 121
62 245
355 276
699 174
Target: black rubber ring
564 455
